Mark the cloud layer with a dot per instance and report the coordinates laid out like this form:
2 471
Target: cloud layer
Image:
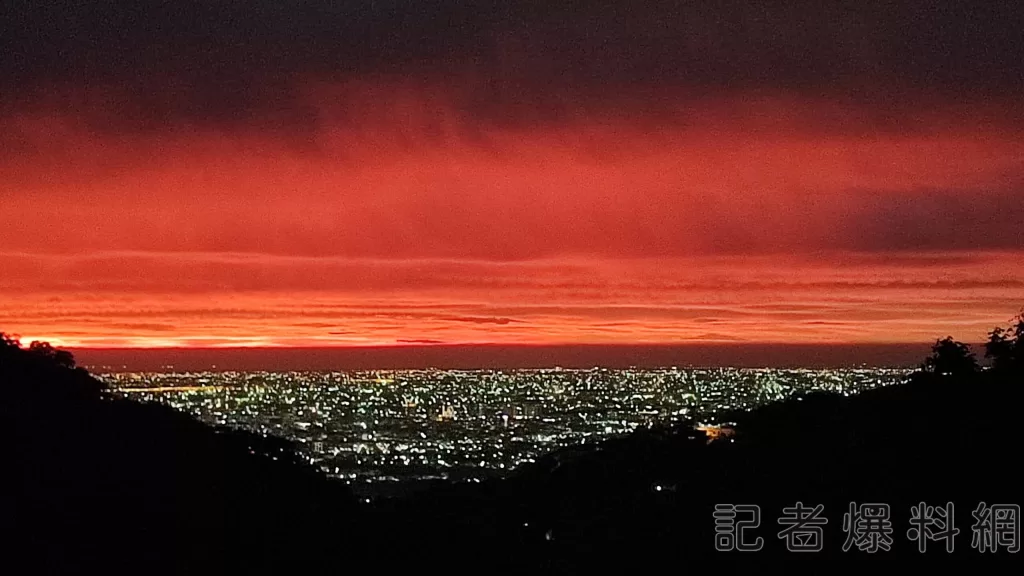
304 173
229 62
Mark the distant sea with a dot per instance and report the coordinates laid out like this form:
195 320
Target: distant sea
486 356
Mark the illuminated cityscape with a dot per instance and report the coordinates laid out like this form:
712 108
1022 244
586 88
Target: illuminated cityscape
372 427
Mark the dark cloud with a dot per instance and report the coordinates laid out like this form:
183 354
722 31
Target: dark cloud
481 320
716 337
909 260
217 61
144 327
937 220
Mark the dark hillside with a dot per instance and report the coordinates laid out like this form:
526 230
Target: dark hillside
111 485
650 498
106 483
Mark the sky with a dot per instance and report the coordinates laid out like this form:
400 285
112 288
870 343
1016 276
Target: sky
384 173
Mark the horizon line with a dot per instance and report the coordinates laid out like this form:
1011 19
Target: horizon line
506 356
434 345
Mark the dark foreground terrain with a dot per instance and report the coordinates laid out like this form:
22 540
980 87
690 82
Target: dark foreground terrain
101 485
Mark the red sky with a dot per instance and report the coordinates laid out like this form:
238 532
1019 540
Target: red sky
399 220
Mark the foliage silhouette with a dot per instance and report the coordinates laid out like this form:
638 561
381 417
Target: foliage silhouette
951 358
1005 347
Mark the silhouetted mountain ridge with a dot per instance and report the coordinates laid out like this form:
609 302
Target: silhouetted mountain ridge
106 483
109 484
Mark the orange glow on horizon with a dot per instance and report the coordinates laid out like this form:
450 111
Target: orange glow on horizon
735 299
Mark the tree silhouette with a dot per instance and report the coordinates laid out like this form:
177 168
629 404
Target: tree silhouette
39 352
1005 347
44 351
42 358
950 357
8 342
